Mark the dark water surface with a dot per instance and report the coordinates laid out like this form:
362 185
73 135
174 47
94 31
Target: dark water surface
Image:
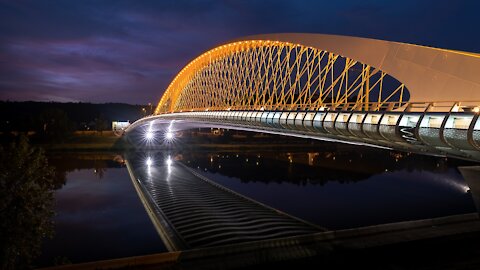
100 215
339 189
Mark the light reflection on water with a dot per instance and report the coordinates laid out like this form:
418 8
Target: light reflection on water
447 180
383 198
100 216
337 190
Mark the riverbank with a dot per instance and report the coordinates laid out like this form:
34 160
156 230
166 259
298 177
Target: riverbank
420 244
88 141
108 141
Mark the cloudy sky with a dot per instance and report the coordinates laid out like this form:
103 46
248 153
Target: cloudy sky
129 51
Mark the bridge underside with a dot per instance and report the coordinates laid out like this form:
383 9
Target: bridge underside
446 134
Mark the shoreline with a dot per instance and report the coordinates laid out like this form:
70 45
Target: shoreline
107 141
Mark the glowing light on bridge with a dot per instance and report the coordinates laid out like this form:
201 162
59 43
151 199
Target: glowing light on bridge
149 134
169 135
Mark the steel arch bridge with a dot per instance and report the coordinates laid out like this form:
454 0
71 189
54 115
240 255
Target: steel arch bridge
263 74
350 89
312 71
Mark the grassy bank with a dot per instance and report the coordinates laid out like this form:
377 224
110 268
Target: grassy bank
108 141
88 141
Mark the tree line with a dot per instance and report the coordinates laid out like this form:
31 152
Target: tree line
54 120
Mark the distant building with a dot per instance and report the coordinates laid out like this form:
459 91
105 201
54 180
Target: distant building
120 126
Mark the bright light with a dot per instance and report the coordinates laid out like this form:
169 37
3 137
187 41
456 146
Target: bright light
169 135
149 162
169 161
476 109
149 135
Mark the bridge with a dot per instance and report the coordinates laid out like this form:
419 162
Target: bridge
344 89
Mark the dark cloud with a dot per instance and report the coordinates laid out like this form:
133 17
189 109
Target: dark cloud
129 51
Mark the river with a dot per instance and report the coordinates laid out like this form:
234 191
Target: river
99 214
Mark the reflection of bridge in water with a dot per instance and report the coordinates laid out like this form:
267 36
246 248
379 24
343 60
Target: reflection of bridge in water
208 226
190 211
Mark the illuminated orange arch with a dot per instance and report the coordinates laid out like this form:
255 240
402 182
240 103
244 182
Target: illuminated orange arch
215 80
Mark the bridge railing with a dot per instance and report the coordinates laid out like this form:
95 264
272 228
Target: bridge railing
455 132
349 106
441 106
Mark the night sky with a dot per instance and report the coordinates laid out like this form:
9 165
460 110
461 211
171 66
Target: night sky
129 51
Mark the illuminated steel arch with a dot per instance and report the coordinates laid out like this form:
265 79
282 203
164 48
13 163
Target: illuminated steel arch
314 71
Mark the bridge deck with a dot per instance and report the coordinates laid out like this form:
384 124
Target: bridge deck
455 134
191 211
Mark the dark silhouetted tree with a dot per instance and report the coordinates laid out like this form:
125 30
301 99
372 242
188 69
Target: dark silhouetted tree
54 125
26 203
101 124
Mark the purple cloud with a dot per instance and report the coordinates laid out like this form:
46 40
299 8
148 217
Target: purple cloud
129 51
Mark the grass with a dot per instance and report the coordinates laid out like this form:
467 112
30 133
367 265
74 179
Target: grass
86 140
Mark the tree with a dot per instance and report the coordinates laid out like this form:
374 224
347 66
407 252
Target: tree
26 203
54 125
101 124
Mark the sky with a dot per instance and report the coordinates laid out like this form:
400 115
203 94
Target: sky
129 51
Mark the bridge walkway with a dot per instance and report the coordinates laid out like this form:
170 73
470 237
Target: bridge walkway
455 134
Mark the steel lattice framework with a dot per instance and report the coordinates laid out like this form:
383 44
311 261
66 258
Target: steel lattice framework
274 75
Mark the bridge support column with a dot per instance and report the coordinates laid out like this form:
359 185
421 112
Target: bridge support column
471 174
